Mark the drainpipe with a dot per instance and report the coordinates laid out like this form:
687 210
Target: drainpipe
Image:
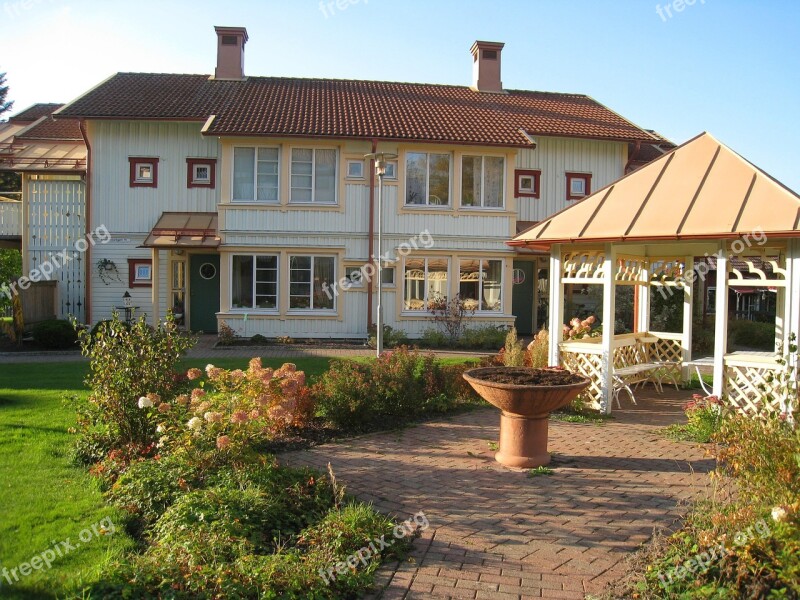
371 229
87 304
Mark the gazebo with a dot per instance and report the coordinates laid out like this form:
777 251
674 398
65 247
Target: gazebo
646 230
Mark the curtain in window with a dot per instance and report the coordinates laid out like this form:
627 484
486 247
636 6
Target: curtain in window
302 177
439 182
416 176
325 176
492 283
494 174
267 282
436 282
243 173
471 181
267 175
324 273
242 282
300 282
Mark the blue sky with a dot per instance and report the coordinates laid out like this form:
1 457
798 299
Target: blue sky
729 67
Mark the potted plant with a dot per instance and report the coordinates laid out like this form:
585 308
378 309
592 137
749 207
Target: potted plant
525 397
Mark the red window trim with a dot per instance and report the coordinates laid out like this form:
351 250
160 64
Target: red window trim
537 176
190 164
132 262
133 160
587 177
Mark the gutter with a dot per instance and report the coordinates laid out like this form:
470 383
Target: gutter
88 196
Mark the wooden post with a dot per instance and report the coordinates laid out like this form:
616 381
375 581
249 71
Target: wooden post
156 279
556 305
609 318
792 318
721 320
643 313
688 315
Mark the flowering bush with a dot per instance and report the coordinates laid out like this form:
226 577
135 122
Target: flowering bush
704 416
580 328
232 410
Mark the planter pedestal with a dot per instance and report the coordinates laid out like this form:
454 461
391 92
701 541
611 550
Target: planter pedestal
523 441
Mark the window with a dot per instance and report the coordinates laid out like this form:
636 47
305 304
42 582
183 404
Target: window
527 182
140 272
579 185
355 278
355 169
201 172
387 277
254 281
255 174
313 176
481 284
143 171
427 179
391 170
424 283
179 290
482 181
310 279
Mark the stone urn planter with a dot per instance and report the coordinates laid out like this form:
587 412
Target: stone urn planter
526 397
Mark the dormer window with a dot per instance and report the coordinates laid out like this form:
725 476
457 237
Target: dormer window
143 171
579 185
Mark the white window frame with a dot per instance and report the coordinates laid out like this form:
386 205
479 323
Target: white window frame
254 308
353 163
426 300
357 284
391 165
313 200
201 180
482 205
481 280
332 286
137 173
393 283
427 203
143 273
254 199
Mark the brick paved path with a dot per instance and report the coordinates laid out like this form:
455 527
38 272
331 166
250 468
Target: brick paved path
497 533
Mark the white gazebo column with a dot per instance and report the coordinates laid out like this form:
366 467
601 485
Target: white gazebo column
556 316
609 318
688 313
721 320
792 315
643 291
155 275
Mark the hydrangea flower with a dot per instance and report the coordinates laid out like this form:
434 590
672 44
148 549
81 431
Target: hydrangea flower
193 374
145 402
195 423
223 442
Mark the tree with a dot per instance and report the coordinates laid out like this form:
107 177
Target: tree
5 105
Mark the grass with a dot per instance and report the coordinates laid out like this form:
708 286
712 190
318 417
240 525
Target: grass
539 471
45 498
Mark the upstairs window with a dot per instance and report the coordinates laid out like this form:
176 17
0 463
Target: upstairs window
143 171
255 174
482 181
201 172
427 179
313 176
579 185
527 183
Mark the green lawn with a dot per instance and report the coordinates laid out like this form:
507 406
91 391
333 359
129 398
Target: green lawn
45 499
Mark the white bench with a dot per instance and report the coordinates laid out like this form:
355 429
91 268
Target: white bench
634 365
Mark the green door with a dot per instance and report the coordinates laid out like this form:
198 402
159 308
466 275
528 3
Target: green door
522 297
204 292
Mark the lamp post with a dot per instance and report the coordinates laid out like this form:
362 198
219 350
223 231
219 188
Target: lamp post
380 159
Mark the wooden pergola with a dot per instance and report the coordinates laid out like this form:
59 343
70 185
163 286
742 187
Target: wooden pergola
700 200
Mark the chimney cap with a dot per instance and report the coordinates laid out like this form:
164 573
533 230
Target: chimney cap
481 45
232 31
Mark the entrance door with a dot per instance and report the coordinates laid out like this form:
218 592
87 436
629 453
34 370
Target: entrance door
522 298
204 292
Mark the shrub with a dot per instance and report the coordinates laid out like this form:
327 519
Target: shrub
125 364
55 334
433 338
752 334
226 334
704 415
490 337
451 316
259 340
399 385
392 338
513 353
538 351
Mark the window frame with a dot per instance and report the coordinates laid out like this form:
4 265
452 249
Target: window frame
353 161
134 163
255 256
313 201
394 165
425 311
536 175
311 308
134 281
191 172
587 179
393 283
481 279
255 199
427 204
350 283
482 205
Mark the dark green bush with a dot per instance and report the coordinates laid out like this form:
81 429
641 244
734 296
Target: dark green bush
55 334
752 334
433 338
259 339
392 338
484 337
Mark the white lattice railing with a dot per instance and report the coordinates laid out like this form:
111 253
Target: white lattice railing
752 385
10 219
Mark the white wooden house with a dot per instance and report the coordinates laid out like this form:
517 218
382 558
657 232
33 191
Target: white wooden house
248 199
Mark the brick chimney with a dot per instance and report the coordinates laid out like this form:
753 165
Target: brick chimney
230 52
486 66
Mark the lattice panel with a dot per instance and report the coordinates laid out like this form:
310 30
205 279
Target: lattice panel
590 365
753 270
630 269
749 390
669 351
583 265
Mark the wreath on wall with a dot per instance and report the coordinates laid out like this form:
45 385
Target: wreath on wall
107 270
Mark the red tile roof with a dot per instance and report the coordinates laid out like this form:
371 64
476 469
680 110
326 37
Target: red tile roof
35 112
53 129
353 109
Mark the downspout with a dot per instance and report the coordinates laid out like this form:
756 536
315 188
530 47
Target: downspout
371 230
88 215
